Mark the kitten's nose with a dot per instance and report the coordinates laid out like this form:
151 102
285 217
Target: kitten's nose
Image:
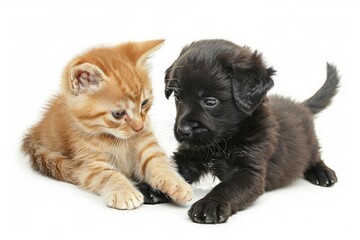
137 126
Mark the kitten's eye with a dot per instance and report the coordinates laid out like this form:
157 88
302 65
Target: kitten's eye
118 114
211 102
144 103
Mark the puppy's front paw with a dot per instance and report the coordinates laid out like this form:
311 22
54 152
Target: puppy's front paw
209 211
175 187
124 199
321 175
152 196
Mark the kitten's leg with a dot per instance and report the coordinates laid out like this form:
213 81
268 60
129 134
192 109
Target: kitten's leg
93 175
320 174
51 164
101 178
189 170
157 170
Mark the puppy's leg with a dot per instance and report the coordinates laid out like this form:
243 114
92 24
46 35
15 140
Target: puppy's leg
320 174
152 196
228 197
190 167
317 172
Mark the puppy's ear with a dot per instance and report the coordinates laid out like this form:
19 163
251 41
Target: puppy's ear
169 73
251 81
168 77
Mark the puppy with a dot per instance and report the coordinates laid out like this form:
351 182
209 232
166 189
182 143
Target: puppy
228 127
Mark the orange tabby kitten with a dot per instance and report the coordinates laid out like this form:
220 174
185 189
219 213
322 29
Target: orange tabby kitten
96 133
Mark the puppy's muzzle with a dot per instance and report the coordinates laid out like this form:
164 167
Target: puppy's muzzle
189 130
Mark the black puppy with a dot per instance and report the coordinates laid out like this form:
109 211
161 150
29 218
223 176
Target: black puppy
227 126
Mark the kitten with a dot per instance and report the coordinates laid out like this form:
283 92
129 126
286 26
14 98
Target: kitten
96 133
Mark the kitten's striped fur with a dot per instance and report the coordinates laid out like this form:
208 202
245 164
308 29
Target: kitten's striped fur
80 141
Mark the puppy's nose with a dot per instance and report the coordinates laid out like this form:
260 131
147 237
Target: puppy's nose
184 130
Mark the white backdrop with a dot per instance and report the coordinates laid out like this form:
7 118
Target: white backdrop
296 37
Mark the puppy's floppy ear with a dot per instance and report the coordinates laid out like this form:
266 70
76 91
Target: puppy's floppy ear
168 76
250 82
169 73
250 87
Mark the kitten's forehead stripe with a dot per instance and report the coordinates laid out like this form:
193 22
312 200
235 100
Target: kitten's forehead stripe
131 97
128 78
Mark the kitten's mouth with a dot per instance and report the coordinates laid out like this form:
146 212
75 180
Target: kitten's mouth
131 134
122 135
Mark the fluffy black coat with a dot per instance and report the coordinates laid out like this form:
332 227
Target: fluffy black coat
227 126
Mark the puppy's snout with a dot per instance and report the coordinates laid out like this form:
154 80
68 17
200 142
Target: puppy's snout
187 129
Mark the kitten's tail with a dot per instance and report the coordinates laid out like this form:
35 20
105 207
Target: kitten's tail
322 98
48 163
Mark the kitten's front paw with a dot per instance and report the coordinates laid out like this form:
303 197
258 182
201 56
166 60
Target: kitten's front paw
175 187
209 211
125 199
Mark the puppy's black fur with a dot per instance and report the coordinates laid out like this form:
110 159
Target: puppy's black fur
227 126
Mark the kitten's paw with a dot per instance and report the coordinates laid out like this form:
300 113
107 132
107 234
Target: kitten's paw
209 211
175 187
321 175
152 196
125 199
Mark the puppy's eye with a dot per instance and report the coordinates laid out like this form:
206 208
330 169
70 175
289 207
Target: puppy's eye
118 114
144 103
211 102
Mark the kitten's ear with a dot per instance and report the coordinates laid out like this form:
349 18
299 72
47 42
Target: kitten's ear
139 51
251 80
85 78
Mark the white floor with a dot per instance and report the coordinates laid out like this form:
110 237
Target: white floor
296 37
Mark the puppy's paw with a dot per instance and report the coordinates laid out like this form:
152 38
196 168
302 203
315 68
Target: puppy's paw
175 187
209 211
321 175
125 199
152 196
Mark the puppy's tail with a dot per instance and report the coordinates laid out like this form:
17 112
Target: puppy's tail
322 98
